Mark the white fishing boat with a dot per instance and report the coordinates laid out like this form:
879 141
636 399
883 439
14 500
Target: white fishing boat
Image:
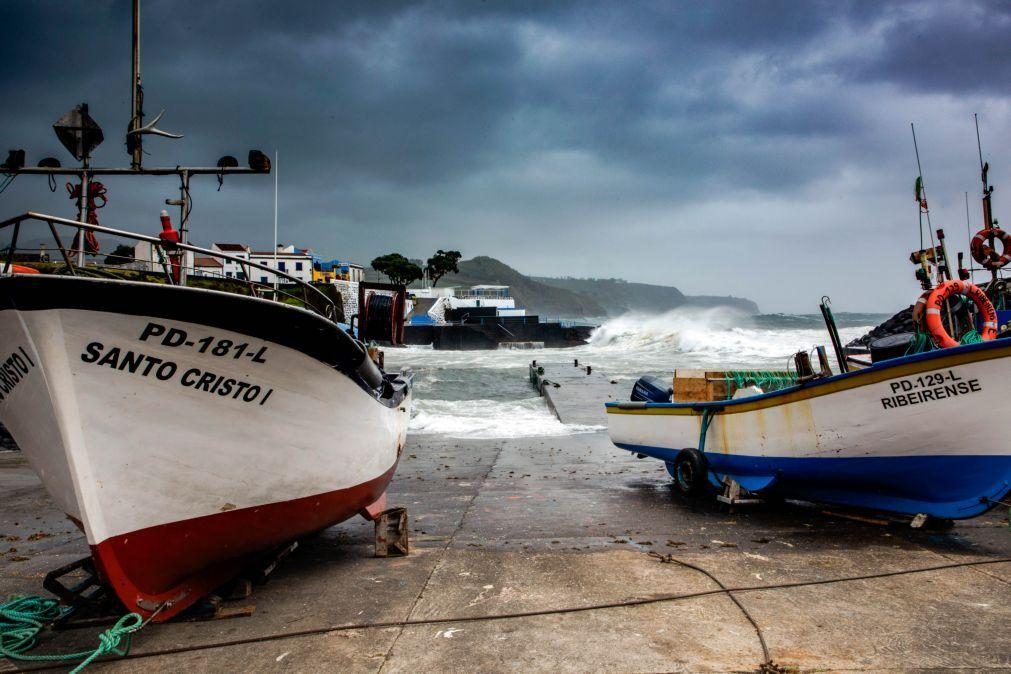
917 430
911 435
185 423
184 428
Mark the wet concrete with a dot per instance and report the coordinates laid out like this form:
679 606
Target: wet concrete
542 524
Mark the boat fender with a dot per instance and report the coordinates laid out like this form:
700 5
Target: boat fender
938 296
984 254
21 269
369 372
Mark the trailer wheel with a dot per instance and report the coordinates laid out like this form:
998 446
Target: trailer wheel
690 472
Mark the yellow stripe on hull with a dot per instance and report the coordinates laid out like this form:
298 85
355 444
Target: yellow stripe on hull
842 383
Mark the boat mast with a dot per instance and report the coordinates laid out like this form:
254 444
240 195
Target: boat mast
89 135
988 223
134 141
276 169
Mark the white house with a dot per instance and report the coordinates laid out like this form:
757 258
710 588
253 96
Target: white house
232 269
292 261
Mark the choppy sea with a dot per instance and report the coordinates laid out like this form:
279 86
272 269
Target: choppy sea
487 394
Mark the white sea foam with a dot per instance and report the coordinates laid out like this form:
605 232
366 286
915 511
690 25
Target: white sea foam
490 419
485 394
689 337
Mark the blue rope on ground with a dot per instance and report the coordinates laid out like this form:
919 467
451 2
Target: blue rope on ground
22 618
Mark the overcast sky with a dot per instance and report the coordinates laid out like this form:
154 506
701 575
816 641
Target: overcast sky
760 149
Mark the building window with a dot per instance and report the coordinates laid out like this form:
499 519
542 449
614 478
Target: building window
298 266
241 275
263 279
280 265
228 274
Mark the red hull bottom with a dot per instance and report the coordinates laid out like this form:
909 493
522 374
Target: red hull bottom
182 562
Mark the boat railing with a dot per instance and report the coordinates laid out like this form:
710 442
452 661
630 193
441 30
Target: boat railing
165 267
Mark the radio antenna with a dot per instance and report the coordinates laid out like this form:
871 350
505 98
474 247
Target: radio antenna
921 193
988 221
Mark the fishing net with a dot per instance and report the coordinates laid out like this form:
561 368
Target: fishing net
920 343
767 380
971 337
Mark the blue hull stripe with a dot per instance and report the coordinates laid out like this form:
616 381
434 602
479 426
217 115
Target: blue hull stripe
952 487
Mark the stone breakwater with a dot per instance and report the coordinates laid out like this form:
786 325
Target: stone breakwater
899 323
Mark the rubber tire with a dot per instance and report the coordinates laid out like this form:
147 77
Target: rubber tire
690 472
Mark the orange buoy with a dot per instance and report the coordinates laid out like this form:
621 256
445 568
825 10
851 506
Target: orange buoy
983 253
21 269
932 316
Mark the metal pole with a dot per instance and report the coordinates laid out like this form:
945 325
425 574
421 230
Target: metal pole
184 215
968 231
276 171
82 212
135 95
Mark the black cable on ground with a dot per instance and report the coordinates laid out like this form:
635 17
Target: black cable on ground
671 559
544 612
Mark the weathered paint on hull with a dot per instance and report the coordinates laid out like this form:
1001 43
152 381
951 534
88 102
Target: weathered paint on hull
911 435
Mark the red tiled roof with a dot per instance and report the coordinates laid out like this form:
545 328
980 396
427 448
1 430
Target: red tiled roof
237 247
206 262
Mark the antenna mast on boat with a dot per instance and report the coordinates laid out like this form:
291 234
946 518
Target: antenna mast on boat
276 176
80 134
923 257
988 221
968 231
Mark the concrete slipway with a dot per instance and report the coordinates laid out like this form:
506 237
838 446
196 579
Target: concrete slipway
505 527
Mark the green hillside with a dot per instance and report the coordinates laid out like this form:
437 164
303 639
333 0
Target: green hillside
578 298
537 298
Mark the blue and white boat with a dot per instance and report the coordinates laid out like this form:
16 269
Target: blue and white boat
916 435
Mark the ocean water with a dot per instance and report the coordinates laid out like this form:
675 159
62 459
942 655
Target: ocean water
487 394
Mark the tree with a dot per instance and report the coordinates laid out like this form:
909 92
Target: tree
442 263
398 268
121 255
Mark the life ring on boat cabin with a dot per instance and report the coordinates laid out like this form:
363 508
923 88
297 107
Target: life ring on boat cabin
937 298
983 253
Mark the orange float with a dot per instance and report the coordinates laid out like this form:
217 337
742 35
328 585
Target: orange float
937 298
21 269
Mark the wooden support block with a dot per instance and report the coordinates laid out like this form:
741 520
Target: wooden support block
391 533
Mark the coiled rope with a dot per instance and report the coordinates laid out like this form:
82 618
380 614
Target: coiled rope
22 618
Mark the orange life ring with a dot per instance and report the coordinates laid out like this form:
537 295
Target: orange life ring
21 269
935 301
983 253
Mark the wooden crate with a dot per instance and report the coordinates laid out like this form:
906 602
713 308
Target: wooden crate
695 386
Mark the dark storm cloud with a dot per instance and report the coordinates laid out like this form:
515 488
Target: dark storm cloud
953 48
505 123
